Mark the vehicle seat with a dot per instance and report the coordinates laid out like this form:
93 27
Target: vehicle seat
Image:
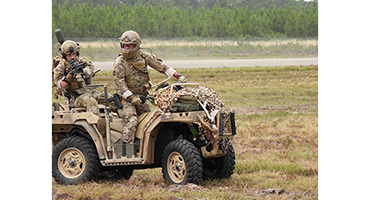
142 122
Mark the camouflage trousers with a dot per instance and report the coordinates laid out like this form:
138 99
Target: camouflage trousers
87 101
129 114
99 96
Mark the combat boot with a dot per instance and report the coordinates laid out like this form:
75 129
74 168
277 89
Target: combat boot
124 149
118 149
130 150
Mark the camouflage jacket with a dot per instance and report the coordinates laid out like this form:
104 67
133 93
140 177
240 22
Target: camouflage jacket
60 71
131 76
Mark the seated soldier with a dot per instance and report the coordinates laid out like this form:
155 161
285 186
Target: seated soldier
72 88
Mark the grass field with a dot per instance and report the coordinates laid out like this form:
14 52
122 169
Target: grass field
214 48
276 143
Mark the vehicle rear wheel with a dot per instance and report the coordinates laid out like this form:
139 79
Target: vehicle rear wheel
74 160
181 163
222 167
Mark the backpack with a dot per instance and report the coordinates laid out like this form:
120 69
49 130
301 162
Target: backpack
56 61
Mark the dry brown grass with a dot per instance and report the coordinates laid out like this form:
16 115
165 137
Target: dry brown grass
213 48
149 43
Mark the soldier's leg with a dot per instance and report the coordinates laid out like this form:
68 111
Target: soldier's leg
129 116
87 101
99 96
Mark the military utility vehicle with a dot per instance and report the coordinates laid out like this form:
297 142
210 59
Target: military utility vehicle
187 135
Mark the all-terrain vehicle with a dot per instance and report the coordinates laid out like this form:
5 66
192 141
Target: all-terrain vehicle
188 133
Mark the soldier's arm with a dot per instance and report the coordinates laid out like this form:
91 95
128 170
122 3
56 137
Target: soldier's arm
159 65
89 67
119 80
58 76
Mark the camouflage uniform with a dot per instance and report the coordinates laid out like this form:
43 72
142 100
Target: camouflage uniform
85 98
131 78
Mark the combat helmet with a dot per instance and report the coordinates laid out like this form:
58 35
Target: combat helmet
130 37
69 47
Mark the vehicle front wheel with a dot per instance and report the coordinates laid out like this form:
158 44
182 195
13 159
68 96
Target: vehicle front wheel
219 168
74 160
181 163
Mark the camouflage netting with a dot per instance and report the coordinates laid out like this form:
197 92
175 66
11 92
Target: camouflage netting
166 102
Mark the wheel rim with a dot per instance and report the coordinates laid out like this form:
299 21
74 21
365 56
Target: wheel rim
71 163
176 167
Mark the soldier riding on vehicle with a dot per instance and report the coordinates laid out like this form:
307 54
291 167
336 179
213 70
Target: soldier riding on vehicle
131 79
72 74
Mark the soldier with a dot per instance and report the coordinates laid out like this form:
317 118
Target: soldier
73 89
131 79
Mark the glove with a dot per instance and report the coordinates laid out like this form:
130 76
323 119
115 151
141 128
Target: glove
69 78
135 100
72 82
183 79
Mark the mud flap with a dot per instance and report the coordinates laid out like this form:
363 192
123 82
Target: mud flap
232 119
221 124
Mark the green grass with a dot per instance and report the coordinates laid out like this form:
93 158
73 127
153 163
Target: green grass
276 143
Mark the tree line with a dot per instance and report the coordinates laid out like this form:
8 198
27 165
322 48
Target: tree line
108 21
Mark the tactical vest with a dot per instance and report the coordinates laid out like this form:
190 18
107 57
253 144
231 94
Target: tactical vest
56 61
136 75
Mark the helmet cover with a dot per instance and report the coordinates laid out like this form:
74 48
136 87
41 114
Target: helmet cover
69 47
127 38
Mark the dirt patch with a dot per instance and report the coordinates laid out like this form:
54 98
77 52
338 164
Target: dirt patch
187 187
56 196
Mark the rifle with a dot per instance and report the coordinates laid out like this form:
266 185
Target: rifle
75 70
116 101
75 67
145 98
119 105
